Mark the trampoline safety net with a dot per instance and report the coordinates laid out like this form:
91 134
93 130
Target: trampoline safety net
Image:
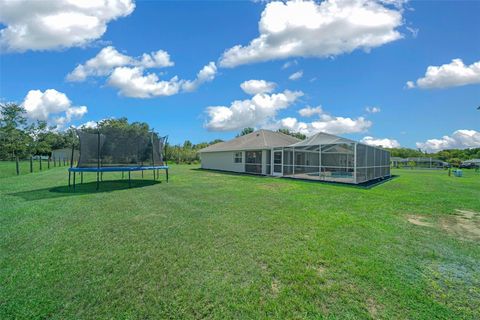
120 148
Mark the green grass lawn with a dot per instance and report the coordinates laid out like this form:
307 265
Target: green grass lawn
8 168
217 245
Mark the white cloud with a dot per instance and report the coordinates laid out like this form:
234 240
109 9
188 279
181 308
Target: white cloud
258 86
42 105
109 58
325 123
45 25
309 111
379 142
258 110
158 59
460 139
70 114
39 105
261 111
93 124
100 65
413 31
453 74
297 75
372 109
289 64
311 29
132 82
130 76
88 124
206 74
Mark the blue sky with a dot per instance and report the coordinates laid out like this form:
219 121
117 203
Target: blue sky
438 112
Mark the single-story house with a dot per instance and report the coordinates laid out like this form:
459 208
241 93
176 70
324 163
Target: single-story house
323 157
396 161
471 163
250 153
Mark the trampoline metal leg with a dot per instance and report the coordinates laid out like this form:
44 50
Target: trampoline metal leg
154 174
166 173
122 175
69 174
142 174
81 177
98 179
129 180
74 174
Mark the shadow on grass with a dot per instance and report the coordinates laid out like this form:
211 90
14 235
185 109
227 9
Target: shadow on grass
364 185
231 173
80 189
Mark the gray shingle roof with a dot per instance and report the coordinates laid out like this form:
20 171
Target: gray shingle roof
261 139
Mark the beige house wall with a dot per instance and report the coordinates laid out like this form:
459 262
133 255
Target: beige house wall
222 161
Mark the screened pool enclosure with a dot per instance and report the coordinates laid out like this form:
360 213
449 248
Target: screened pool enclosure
330 158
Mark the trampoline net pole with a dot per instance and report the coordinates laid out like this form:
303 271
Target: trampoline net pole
98 156
73 147
153 154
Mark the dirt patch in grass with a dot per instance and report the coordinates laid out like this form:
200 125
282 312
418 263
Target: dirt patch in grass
275 287
464 224
419 221
373 308
319 269
468 214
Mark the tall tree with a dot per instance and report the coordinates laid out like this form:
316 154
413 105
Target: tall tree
12 115
14 141
38 131
187 144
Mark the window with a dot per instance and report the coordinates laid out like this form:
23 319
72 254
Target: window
237 157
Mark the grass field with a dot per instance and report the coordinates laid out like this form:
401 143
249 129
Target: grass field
217 245
8 168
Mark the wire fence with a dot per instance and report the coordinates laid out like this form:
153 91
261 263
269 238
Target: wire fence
33 164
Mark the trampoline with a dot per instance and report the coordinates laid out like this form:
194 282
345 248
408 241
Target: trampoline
118 150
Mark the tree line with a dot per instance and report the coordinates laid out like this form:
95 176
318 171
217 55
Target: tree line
452 156
21 138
